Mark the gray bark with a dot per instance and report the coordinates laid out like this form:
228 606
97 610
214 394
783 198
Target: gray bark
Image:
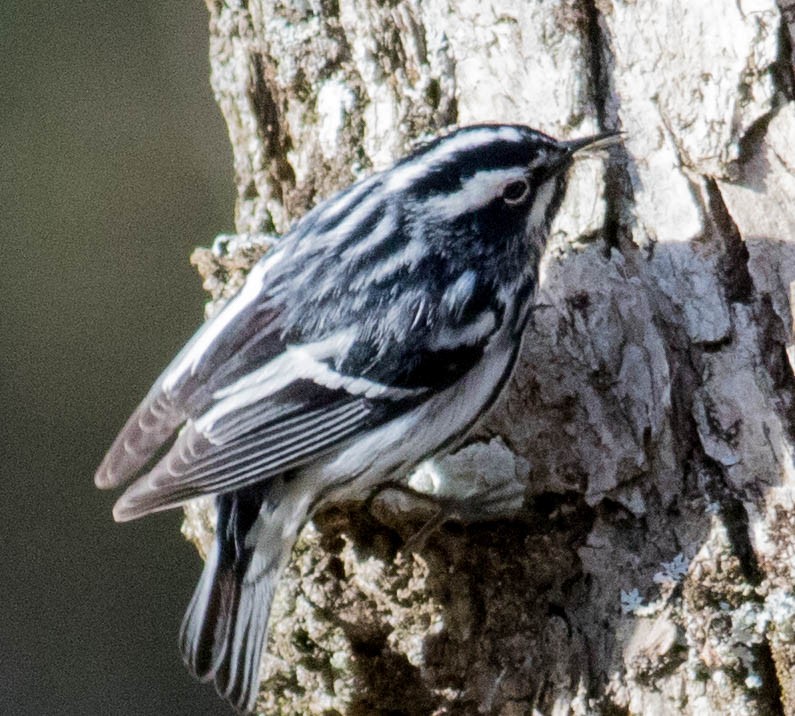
636 480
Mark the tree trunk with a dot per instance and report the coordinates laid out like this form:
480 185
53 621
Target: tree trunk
634 550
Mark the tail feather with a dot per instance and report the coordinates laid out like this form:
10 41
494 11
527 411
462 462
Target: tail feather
237 675
223 633
205 625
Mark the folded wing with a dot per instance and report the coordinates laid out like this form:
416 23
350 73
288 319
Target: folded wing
247 399
257 424
293 426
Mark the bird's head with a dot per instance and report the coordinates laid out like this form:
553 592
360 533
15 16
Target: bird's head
485 192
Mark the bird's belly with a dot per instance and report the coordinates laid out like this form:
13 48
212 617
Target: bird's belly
391 451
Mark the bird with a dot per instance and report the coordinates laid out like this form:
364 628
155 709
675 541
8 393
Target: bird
370 337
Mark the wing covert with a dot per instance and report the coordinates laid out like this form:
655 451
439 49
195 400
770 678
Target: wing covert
295 425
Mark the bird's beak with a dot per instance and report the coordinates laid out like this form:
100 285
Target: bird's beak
567 152
591 145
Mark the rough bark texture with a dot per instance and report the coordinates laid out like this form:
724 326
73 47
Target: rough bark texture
639 553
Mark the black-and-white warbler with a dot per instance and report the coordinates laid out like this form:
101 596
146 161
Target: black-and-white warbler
372 336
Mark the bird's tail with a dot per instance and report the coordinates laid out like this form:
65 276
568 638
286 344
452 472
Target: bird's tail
223 632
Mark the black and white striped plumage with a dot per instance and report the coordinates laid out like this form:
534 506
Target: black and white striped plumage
372 336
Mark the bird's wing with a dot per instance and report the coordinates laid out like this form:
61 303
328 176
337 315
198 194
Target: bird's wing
281 415
242 326
249 405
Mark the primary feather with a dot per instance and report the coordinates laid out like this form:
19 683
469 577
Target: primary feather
373 334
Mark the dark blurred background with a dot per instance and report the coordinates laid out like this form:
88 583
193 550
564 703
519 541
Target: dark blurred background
114 165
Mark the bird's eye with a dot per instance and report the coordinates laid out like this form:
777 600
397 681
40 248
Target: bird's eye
515 192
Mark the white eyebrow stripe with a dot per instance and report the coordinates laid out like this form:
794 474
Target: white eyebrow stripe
477 191
405 176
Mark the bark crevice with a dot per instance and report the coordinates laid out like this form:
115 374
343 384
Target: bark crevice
618 193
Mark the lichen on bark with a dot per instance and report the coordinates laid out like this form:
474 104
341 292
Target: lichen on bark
650 423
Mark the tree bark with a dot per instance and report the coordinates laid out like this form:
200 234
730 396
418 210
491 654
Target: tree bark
627 544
